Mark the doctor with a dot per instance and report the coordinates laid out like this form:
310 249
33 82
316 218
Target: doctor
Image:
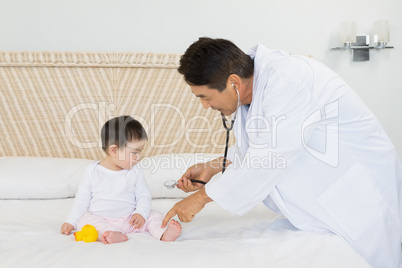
306 146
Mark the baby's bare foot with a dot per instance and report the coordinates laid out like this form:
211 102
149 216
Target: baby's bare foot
110 237
172 232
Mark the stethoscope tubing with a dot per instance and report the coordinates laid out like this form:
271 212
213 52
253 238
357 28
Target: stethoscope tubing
198 181
228 129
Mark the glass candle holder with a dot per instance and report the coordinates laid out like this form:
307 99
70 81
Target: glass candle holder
348 33
381 33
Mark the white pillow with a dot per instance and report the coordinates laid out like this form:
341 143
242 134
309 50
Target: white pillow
40 177
47 178
160 168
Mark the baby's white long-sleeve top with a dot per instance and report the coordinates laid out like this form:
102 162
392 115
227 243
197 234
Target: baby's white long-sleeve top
111 194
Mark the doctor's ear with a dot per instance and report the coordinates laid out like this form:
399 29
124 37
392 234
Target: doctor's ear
233 80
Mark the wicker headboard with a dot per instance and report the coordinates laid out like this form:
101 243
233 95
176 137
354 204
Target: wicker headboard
54 104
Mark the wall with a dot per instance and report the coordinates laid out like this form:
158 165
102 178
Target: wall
299 27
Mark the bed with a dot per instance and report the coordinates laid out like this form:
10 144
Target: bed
53 105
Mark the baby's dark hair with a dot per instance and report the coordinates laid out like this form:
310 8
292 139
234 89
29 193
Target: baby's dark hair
121 130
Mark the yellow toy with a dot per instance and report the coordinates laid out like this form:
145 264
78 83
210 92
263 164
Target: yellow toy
87 234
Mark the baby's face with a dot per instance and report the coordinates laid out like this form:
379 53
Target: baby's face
130 155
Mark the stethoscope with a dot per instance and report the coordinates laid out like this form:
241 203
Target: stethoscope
172 183
228 129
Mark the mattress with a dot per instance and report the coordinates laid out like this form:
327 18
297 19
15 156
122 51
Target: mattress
30 237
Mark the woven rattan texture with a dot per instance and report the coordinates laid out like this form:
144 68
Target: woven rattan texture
54 104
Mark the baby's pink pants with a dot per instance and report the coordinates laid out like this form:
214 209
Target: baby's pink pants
152 224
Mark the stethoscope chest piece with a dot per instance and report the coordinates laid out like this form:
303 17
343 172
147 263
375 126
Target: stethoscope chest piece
170 184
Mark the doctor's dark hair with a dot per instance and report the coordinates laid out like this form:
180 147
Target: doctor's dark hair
121 130
211 61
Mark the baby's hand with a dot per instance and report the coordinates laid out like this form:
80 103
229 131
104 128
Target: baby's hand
137 221
66 228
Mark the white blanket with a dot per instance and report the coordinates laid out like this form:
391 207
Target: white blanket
29 237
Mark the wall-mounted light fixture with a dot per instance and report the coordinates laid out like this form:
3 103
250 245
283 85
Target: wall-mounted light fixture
360 45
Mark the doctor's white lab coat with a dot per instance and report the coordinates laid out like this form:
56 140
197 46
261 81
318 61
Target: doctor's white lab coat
310 149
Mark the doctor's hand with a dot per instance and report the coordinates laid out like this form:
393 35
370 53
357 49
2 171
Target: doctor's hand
188 207
199 172
202 172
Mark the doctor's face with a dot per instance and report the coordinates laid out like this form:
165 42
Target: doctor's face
224 102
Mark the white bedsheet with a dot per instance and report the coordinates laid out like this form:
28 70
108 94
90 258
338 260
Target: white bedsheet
29 237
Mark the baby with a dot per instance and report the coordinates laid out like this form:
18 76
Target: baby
114 192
